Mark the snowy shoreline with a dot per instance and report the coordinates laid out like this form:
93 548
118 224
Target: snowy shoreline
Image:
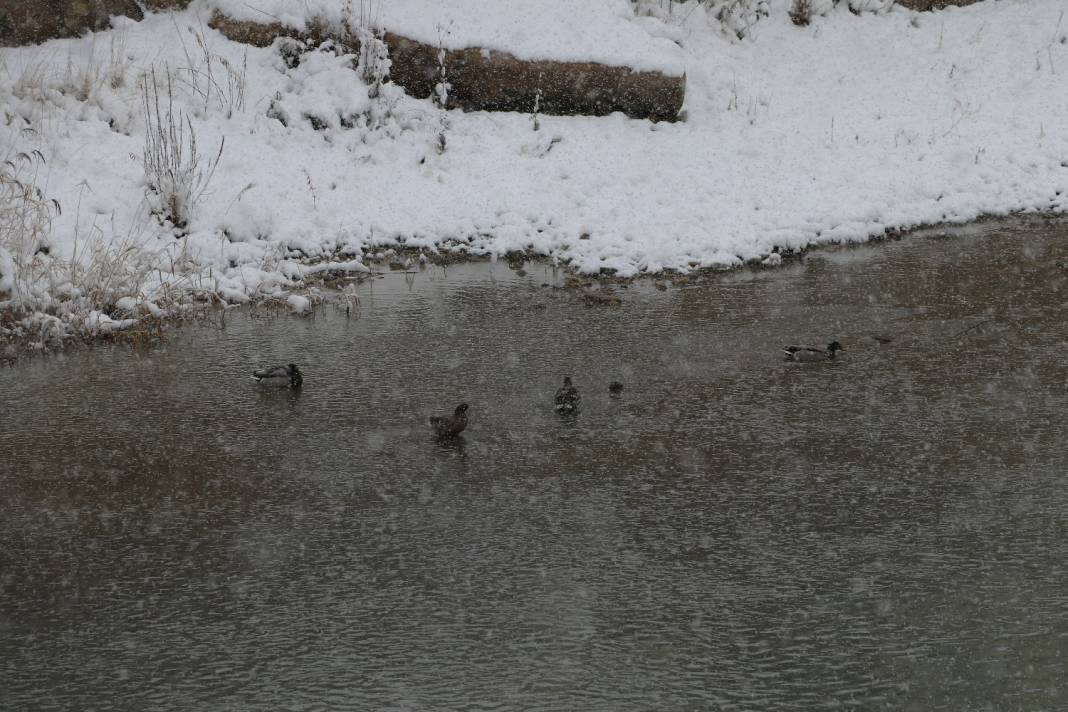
793 137
331 282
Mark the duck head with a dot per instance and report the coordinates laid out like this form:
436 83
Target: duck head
461 409
834 346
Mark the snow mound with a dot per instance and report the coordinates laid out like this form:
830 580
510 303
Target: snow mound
602 31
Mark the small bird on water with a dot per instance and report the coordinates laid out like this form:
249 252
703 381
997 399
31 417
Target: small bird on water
450 426
279 376
615 389
567 397
811 353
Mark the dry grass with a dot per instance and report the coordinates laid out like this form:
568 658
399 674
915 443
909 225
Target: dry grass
49 296
801 12
176 176
26 213
210 79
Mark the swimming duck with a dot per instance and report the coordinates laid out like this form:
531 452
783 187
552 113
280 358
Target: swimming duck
452 425
567 397
811 353
279 376
615 389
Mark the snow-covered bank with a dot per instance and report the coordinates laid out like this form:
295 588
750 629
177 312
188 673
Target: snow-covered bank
793 137
562 30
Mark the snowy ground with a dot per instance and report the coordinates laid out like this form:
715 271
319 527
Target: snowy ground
602 31
793 136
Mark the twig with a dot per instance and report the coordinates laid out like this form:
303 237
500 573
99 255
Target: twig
972 327
1052 40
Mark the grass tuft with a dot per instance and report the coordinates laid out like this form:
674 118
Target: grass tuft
176 177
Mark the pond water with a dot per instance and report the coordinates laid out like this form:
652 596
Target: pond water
889 530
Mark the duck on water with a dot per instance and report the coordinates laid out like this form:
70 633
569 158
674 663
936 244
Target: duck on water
452 425
279 376
567 397
811 353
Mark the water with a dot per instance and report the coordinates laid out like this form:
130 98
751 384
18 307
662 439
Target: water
886 531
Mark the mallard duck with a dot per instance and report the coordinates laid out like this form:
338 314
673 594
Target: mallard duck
452 425
615 389
279 376
811 353
567 397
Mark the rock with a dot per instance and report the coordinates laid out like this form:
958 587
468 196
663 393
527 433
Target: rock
166 4
496 81
32 21
601 299
924 5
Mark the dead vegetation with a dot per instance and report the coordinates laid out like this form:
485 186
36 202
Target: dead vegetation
801 12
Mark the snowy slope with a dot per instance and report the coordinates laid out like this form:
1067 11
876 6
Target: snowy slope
796 136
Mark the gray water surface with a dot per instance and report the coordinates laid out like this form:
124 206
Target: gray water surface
889 531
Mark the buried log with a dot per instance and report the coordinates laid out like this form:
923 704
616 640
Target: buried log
485 80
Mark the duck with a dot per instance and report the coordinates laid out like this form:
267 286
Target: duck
811 353
567 397
452 425
615 389
281 376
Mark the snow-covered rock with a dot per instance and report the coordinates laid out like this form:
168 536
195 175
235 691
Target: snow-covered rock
298 303
601 31
99 323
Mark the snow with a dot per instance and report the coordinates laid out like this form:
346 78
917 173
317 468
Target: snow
298 303
7 273
602 31
334 266
95 323
793 137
